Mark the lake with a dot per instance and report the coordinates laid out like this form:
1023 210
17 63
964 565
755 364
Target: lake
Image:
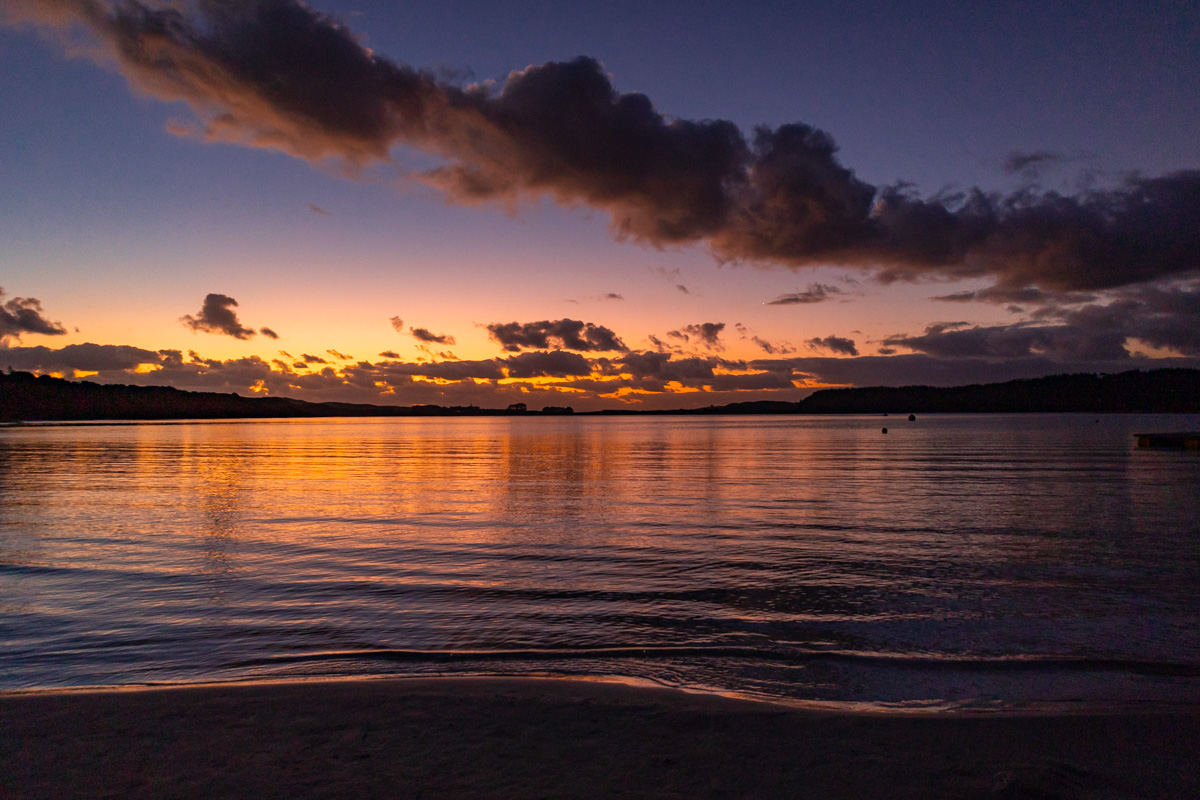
957 562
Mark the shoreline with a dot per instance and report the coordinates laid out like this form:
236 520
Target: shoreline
920 709
561 737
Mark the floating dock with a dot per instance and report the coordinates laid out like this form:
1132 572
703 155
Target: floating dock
1174 441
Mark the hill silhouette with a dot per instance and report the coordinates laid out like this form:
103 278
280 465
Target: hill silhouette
26 397
1153 391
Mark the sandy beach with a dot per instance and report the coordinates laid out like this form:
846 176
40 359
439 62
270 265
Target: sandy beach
549 738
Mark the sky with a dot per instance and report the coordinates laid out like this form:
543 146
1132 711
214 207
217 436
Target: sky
620 205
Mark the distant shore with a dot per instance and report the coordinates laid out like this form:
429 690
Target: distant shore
534 737
27 397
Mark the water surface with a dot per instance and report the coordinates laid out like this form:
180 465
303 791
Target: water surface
973 561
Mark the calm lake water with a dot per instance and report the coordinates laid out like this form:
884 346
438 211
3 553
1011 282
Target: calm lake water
971 562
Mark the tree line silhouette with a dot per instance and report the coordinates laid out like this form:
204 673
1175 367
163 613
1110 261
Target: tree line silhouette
26 397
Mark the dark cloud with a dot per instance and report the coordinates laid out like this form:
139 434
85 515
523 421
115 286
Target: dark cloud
837 344
307 358
316 209
1074 325
749 382
217 316
922 369
651 372
280 75
429 337
1030 165
706 333
170 358
666 368
569 334
1166 317
24 315
658 344
339 355
1001 295
267 332
681 288
389 354
1020 340
1142 231
492 369
87 357
613 296
547 364
398 324
815 293
772 348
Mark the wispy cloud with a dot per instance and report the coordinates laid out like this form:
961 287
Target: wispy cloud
1030 165
773 348
815 293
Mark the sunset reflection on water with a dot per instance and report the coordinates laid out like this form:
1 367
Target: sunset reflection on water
798 557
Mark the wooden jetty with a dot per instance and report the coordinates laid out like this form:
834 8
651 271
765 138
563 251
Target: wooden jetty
1174 441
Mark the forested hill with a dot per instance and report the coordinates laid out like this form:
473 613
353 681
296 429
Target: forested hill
24 397
28 398
1161 390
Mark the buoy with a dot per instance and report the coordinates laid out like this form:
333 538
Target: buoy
912 417
885 430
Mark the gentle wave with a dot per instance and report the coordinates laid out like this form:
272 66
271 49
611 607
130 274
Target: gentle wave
915 661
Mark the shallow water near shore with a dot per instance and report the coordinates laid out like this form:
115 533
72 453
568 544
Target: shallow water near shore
957 562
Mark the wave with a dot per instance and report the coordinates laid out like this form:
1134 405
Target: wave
786 656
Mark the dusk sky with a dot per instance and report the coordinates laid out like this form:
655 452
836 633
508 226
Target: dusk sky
645 205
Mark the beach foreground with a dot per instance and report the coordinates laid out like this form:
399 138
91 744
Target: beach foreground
530 738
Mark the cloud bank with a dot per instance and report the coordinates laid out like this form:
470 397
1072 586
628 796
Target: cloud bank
1073 325
560 377
280 75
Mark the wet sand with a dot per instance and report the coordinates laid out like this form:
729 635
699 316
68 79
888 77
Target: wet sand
546 738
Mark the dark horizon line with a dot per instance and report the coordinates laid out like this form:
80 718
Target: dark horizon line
32 398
